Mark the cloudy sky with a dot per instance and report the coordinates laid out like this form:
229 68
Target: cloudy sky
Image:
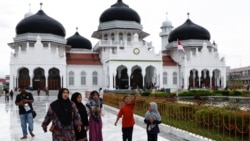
228 21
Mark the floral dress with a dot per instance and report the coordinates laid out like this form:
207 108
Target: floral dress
59 131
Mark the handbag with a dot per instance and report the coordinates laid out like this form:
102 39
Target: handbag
33 113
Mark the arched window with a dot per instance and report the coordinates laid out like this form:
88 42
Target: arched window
165 78
112 36
120 36
175 78
105 37
129 37
71 78
83 78
95 78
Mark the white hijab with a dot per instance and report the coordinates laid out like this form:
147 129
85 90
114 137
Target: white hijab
154 113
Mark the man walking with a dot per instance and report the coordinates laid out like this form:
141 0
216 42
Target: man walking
24 102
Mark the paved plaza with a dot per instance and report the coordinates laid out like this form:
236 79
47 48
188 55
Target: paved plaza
11 129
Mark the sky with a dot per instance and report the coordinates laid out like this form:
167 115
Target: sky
228 21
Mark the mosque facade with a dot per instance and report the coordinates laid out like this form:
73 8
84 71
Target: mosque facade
121 59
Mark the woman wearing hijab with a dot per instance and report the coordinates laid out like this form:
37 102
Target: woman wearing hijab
82 135
64 116
95 120
152 119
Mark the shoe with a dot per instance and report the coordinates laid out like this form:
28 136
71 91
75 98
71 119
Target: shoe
32 135
24 137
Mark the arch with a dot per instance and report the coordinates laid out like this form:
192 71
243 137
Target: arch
113 36
193 79
205 79
121 78
23 78
136 80
39 80
150 78
216 80
129 37
54 79
105 36
120 36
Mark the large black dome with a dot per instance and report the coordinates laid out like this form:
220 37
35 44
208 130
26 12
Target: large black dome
78 41
189 30
40 23
120 11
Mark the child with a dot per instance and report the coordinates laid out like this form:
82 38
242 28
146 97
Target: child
127 114
152 119
95 120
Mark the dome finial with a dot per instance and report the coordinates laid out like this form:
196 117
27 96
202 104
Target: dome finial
188 14
29 7
29 13
76 29
41 5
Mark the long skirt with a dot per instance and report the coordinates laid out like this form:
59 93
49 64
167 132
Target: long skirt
95 129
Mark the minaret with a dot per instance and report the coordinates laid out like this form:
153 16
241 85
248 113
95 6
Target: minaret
166 28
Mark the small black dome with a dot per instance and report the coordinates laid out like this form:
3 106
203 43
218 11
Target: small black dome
189 30
40 23
78 41
120 11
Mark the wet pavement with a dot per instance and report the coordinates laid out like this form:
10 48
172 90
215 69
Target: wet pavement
11 128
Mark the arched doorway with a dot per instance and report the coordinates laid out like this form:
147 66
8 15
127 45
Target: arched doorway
205 79
121 78
194 79
216 82
54 79
136 78
150 77
23 78
39 79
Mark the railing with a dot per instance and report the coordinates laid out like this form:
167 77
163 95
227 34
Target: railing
122 43
211 122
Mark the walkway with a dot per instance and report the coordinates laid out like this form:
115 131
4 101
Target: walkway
11 130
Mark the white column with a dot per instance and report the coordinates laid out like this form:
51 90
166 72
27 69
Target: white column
31 77
129 74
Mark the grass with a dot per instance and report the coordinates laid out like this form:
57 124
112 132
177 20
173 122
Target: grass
176 115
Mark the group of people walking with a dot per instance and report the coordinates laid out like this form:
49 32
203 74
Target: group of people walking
71 120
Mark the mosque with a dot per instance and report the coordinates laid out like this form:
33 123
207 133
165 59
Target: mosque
121 59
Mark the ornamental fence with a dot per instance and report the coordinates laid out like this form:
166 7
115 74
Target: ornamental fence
216 123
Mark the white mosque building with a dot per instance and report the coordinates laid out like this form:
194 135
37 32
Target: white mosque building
43 58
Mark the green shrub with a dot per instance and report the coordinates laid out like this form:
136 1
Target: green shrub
146 93
236 93
161 94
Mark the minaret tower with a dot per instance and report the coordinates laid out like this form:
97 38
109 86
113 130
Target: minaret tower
166 28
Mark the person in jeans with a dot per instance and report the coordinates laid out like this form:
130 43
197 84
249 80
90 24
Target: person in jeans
24 102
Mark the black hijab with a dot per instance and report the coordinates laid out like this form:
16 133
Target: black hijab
81 108
63 108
